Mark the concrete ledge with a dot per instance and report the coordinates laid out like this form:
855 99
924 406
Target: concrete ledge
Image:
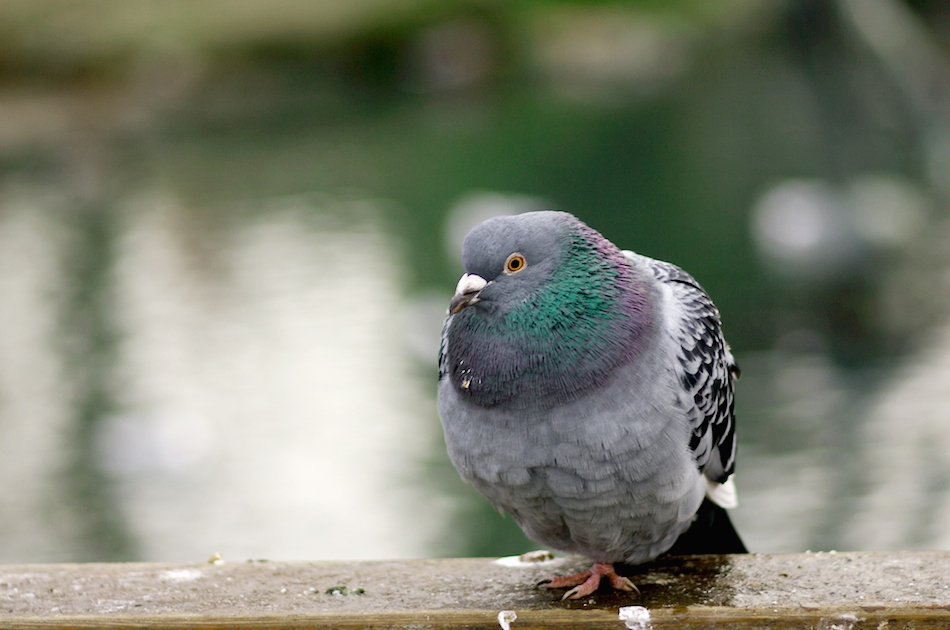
822 590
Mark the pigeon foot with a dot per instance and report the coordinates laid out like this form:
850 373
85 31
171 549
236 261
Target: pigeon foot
586 582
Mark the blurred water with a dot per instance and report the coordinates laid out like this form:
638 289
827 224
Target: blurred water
220 311
257 383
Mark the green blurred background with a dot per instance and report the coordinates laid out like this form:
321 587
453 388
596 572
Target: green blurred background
229 230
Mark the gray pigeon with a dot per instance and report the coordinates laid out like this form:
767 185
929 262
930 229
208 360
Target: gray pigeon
588 392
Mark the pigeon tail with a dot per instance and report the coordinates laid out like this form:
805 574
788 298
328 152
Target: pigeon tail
711 532
722 494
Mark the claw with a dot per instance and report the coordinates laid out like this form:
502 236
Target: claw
586 582
621 583
574 593
585 588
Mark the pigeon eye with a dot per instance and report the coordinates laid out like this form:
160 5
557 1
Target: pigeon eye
515 263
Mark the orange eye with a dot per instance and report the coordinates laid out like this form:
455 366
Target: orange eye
515 263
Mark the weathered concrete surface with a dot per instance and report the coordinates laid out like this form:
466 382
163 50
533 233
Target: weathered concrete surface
824 590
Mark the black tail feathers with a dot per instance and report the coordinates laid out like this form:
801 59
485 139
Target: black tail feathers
711 532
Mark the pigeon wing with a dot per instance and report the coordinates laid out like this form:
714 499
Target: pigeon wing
443 348
705 367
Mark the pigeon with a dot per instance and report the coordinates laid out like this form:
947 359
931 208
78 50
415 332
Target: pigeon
588 392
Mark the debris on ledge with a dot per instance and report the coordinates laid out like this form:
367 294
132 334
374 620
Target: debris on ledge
844 590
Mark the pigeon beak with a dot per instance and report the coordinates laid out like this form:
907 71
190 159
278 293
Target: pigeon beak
466 292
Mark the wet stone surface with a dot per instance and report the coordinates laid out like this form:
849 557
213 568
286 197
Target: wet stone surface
868 582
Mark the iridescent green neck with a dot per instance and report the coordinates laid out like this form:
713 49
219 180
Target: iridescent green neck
571 316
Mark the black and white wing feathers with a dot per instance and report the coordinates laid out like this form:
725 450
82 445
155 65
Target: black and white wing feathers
705 368
443 348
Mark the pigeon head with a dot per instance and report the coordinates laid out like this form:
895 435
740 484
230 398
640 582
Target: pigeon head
547 309
507 259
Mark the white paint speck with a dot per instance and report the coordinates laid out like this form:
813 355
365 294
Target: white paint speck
505 618
510 561
530 559
180 575
635 617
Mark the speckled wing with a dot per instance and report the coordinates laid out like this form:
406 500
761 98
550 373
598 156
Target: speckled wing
443 345
704 365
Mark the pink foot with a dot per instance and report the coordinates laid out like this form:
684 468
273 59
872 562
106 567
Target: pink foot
586 582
